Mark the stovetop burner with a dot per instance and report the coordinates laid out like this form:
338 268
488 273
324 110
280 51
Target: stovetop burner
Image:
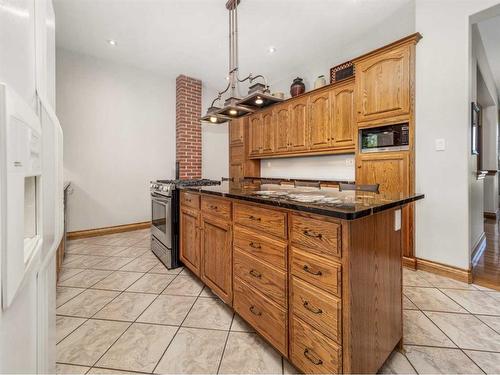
193 182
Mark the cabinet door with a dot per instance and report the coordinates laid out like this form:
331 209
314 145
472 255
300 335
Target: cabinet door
390 170
255 134
320 125
343 116
236 173
281 127
298 125
383 85
267 132
236 131
190 240
216 249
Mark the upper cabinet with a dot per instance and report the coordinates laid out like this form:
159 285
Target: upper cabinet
320 121
236 132
298 124
255 134
383 85
343 107
261 133
281 128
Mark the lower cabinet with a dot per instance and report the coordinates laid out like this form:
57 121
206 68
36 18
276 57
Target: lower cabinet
216 256
190 239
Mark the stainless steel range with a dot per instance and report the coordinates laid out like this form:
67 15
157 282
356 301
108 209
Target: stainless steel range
165 205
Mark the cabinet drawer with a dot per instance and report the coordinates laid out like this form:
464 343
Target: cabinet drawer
321 310
264 315
317 235
313 352
266 279
264 248
261 219
216 206
321 272
190 199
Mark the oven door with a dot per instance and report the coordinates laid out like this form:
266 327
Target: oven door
161 225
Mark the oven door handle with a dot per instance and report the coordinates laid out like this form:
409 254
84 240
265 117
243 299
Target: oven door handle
160 199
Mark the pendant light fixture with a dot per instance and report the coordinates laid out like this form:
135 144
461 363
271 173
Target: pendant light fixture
258 94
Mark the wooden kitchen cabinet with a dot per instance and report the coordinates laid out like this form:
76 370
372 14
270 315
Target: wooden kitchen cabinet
239 163
320 121
282 128
190 239
217 256
343 115
236 132
383 84
267 137
391 170
298 124
255 134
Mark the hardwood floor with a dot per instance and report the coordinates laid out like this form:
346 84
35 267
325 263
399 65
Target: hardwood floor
486 269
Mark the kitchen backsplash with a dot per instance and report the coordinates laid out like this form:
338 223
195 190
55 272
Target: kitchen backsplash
328 167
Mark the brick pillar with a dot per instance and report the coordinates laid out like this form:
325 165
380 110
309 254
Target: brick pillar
188 126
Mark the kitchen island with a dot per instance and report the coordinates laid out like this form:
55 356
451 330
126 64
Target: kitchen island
316 272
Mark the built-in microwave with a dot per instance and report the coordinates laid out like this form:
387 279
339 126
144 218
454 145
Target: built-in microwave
384 138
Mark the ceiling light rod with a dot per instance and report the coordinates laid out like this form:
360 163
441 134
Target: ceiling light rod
232 108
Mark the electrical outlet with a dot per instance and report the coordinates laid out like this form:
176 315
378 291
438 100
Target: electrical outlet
349 162
440 144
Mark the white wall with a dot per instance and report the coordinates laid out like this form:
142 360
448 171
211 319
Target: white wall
443 230
119 133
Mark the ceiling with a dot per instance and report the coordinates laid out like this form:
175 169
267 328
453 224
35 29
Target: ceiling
490 35
174 37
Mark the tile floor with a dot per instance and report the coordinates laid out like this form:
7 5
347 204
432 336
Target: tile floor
119 310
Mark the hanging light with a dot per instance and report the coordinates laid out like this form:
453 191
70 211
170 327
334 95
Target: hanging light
258 94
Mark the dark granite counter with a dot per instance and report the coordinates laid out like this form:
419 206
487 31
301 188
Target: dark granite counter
347 205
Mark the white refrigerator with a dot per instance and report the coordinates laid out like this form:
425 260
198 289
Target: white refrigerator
31 186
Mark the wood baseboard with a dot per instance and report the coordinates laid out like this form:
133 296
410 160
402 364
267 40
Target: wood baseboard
410 263
491 215
444 270
108 230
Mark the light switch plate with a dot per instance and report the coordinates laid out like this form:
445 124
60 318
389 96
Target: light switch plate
440 144
397 220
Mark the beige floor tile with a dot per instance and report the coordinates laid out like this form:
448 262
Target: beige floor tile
167 310
239 325
184 286
491 321
70 369
64 294
413 278
132 252
85 279
87 303
142 264
97 250
431 299
289 369
193 351
127 306
247 353
118 280
65 325
489 362
408 305
439 281
112 263
67 273
144 242
89 342
160 268
397 363
209 313
151 283
207 292
467 331
126 241
139 349
477 302
84 261
495 295
483 288
70 258
419 330
105 371
427 360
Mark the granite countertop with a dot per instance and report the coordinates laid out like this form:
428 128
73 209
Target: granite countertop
347 205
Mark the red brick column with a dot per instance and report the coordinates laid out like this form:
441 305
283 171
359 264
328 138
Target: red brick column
188 126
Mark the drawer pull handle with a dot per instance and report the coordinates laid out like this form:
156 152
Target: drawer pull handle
308 353
308 270
255 273
254 218
310 233
188 199
312 309
255 311
213 207
255 246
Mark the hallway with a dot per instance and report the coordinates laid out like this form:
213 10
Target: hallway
486 269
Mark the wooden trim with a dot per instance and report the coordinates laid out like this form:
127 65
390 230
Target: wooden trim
108 230
478 248
444 270
491 215
410 263
413 38
307 152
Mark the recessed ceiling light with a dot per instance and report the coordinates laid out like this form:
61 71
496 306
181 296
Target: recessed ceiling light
272 49
112 42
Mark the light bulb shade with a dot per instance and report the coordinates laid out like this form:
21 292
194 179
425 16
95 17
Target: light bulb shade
233 110
213 118
258 100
